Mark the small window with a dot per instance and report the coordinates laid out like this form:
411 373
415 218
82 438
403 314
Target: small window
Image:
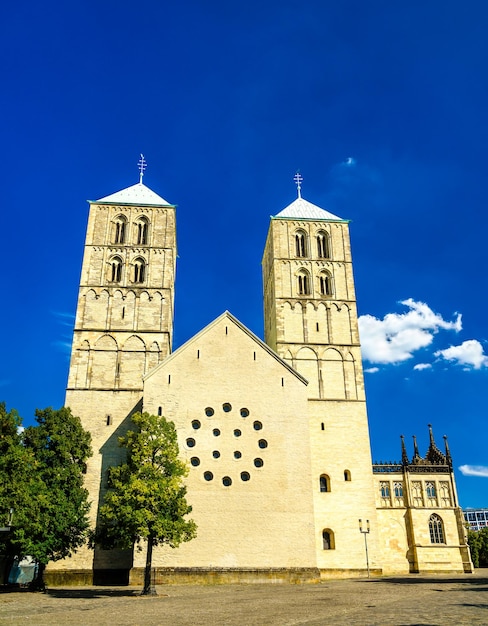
328 542
300 243
190 442
323 248
430 489
237 454
436 529
398 490
347 475
303 283
227 407
216 432
237 433
227 481
115 270
257 425
385 489
262 443
195 461
119 226
195 424
324 483
109 420
209 411
216 454
245 476
258 462
208 476
139 271
160 411
244 412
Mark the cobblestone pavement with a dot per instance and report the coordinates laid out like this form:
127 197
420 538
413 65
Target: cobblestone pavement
401 601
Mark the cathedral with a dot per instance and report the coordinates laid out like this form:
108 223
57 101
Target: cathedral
274 432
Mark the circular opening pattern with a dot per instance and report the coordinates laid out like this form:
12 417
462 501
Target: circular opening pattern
209 411
190 442
237 454
244 412
237 432
262 443
227 407
245 476
227 481
257 425
195 461
216 454
195 424
258 462
216 432
208 476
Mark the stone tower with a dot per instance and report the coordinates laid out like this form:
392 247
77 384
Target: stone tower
124 318
311 322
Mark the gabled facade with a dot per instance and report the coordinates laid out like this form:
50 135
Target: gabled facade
275 433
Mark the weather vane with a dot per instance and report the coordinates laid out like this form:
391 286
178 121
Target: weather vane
298 180
142 166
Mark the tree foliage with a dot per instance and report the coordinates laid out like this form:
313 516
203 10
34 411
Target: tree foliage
478 544
46 491
145 500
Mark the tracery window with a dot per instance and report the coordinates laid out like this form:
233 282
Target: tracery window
431 493
445 493
119 229
325 284
417 497
436 529
142 231
323 247
301 243
398 490
115 270
385 489
303 283
139 273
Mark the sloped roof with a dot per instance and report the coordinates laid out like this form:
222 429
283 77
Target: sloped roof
137 194
304 210
245 330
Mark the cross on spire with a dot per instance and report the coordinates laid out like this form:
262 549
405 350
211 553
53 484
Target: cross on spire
142 164
298 181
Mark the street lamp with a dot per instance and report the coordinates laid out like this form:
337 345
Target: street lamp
365 532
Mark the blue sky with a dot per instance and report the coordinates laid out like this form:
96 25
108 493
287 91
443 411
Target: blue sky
382 106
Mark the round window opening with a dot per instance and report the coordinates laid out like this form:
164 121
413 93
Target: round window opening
237 454
237 433
258 462
195 461
190 442
245 476
216 432
208 476
195 424
244 412
216 454
257 426
209 411
262 443
227 481
227 407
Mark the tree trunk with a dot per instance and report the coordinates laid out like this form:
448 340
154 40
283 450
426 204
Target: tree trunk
149 589
38 583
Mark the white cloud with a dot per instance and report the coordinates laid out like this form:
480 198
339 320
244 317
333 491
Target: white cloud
422 366
470 352
349 162
474 470
372 370
398 335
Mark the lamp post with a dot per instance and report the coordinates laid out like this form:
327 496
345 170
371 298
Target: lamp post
365 532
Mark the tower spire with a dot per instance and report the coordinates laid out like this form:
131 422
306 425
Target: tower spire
416 454
142 164
404 451
298 181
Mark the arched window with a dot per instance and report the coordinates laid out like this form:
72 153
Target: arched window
301 243
139 271
436 529
119 226
323 247
324 483
398 490
328 542
347 475
142 231
325 284
430 489
385 489
303 283
115 270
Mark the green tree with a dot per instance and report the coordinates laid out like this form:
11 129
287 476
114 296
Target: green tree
145 500
478 544
57 523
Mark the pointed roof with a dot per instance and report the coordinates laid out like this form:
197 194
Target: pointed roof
137 194
304 210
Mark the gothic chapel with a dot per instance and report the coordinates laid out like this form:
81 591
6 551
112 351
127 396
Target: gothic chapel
275 433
